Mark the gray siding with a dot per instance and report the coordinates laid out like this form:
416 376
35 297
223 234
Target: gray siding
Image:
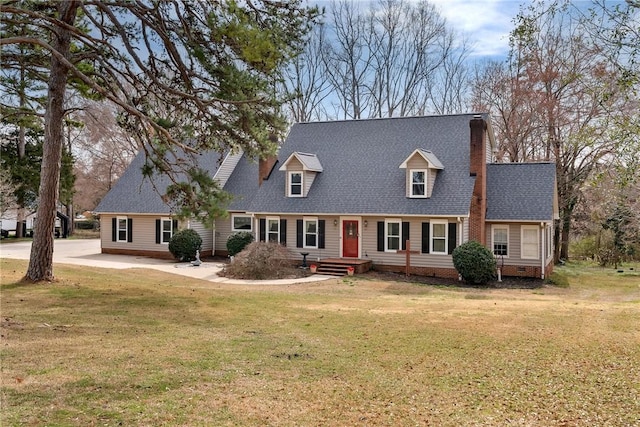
515 240
465 230
143 236
370 246
204 233
431 181
332 236
368 242
309 176
227 167
222 233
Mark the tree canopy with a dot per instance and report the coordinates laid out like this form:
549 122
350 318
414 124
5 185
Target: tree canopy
559 97
187 76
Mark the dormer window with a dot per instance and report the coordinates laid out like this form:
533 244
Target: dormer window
422 167
295 184
301 169
418 183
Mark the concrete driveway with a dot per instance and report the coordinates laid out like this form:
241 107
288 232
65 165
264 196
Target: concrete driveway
87 252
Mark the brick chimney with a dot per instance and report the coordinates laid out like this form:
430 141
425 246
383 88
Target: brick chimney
265 166
478 168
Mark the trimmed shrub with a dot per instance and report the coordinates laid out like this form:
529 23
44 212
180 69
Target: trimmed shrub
259 261
238 241
86 225
184 244
474 262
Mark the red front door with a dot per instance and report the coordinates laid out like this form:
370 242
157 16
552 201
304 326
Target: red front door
350 239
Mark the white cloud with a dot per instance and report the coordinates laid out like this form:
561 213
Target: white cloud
487 23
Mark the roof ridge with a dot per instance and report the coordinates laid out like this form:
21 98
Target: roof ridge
542 162
394 118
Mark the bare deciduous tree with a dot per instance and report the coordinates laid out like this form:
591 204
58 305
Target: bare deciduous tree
449 92
385 59
618 31
410 46
348 59
102 152
305 81
555 99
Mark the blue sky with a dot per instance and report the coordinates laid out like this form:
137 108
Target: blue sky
486 23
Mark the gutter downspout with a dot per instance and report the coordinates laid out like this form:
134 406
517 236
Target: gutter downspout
544 253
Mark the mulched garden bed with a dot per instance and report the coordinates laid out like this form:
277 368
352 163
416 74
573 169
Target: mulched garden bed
506 283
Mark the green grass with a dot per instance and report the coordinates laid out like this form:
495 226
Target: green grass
140 347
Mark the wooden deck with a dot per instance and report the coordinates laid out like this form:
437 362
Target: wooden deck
339 266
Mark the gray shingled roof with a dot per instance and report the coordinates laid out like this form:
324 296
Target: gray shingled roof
135 194
361 174
520 191
361 160
243 184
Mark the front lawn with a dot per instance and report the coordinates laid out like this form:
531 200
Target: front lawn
141 347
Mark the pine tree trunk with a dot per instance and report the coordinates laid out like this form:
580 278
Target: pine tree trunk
22 144
21 229
41 261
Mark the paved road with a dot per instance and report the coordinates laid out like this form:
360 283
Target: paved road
87 252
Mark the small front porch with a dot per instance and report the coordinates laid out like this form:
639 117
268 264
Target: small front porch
338 266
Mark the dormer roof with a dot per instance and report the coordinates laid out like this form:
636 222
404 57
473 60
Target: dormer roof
309 162
427 155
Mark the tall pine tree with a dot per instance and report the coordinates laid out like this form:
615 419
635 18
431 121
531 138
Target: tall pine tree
213 65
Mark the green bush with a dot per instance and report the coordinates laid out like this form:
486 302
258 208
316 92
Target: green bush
259 261
474 262
184 244
86 225
238 241
585 248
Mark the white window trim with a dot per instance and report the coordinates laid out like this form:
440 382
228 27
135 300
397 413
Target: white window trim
290 183
237 230
432 237
522 230
126 228
493 238
549 241
162 221
426 177
267 231
386 234
305 220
